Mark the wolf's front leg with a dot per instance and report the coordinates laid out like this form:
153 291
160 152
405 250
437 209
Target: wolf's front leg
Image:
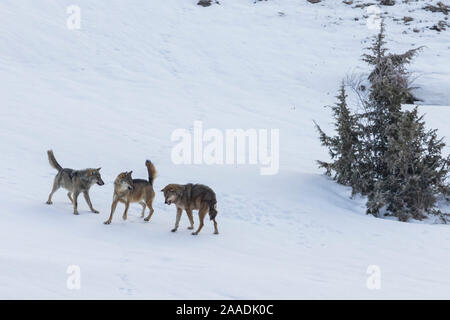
113 208
127 205
177 221
88 201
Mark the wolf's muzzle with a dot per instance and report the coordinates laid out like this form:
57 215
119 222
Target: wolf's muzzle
100 182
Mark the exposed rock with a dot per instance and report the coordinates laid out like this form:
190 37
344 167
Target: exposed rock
363 5
407 19
206 3
439 7
440 26
387 2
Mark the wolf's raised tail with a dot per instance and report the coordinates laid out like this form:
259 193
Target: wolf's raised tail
53 163
151 171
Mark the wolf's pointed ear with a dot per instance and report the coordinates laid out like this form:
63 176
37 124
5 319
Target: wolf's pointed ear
98 169
129 173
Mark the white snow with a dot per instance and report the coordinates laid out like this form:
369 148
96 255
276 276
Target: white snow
111 94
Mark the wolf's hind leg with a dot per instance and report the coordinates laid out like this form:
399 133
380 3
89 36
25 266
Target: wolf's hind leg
143 208
69 194
88 201
201 215
54 188
75 202
191 219
149 203
216 231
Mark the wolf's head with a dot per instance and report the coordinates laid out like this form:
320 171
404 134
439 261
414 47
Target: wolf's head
172 193
124 182
95 177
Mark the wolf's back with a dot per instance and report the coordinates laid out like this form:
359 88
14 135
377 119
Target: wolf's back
52 160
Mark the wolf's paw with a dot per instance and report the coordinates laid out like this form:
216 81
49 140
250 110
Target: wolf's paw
194 233
107 222
190 228
124 217
174 230
216 232
49 202
95 211
147 219
76 213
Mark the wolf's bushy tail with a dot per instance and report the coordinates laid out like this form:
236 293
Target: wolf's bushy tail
151 171
213 209
53 163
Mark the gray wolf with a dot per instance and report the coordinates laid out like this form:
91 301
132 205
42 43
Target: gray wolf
127 190
75 181
192 197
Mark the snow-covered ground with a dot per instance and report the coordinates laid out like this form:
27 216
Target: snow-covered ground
111 93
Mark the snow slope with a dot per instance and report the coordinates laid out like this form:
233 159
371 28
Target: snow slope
111 94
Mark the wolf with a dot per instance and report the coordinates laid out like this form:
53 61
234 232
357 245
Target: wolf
75 181
127 190
192 197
